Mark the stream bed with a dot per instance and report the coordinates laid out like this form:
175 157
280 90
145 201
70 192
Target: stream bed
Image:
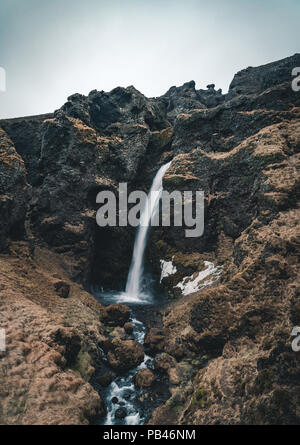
125 404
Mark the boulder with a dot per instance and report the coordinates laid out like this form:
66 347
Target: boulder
163 362
105 343
125 354
144 378
128 328
119 332
105 379
116 315
120 413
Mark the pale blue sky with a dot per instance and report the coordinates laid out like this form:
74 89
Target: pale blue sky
51 49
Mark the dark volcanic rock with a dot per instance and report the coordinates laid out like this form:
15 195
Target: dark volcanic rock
256 80
26 136
105 379
14 192
182 99
120 413
121 105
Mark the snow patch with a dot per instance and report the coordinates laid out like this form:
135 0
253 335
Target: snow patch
167 268
189 285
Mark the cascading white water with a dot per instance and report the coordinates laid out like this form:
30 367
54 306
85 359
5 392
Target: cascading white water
134 280
121 392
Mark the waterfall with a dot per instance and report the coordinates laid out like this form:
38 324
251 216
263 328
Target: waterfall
122 392
135 275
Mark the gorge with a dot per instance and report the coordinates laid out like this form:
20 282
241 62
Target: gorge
113 325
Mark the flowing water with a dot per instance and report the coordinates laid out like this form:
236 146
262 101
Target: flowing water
133 286
121 393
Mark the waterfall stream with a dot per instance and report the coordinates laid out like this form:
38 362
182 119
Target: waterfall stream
134 281
122 392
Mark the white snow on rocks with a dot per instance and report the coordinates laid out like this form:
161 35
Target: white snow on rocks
193 284
167 268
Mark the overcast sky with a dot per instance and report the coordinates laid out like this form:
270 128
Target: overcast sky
53 48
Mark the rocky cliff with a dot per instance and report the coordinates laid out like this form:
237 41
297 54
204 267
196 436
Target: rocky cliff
233 293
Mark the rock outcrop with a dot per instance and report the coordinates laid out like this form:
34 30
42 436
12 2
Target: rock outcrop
237 334
14 192
116 315
125 354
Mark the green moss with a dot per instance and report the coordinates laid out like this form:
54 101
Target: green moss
220 226
200 399
175 402
109 329
174 180
83 364
177 408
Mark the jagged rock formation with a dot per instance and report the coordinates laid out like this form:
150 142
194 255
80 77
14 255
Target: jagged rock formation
228 346
14 192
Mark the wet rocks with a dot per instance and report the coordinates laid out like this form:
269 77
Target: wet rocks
128 328
105 379
127 395
144 378
116 315
120 413
125 354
